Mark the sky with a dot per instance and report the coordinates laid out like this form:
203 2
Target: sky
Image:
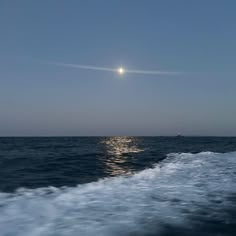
39 97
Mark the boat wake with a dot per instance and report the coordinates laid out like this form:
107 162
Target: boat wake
186 192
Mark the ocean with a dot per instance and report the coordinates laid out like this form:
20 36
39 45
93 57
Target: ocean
129 186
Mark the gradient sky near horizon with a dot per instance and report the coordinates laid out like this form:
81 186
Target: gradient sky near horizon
197 38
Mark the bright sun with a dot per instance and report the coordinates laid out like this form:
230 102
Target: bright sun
121 71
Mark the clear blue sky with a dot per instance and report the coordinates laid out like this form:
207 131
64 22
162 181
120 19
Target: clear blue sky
197 38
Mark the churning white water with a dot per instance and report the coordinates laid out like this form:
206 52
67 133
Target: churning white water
174 192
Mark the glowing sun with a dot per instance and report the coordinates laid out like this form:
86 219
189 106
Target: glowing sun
121 70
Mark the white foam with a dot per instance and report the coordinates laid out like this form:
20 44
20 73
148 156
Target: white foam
178 187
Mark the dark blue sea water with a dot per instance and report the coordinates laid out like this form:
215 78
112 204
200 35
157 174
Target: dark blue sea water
117 186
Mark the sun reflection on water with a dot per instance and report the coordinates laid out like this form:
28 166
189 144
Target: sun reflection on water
120 150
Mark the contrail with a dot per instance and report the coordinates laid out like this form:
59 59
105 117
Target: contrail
89 67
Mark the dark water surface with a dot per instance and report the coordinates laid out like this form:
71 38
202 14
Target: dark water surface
118 186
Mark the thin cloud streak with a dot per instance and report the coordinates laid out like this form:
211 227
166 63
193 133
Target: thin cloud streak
98 68
86 67
151 72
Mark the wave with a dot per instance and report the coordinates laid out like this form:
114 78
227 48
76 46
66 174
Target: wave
181 191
